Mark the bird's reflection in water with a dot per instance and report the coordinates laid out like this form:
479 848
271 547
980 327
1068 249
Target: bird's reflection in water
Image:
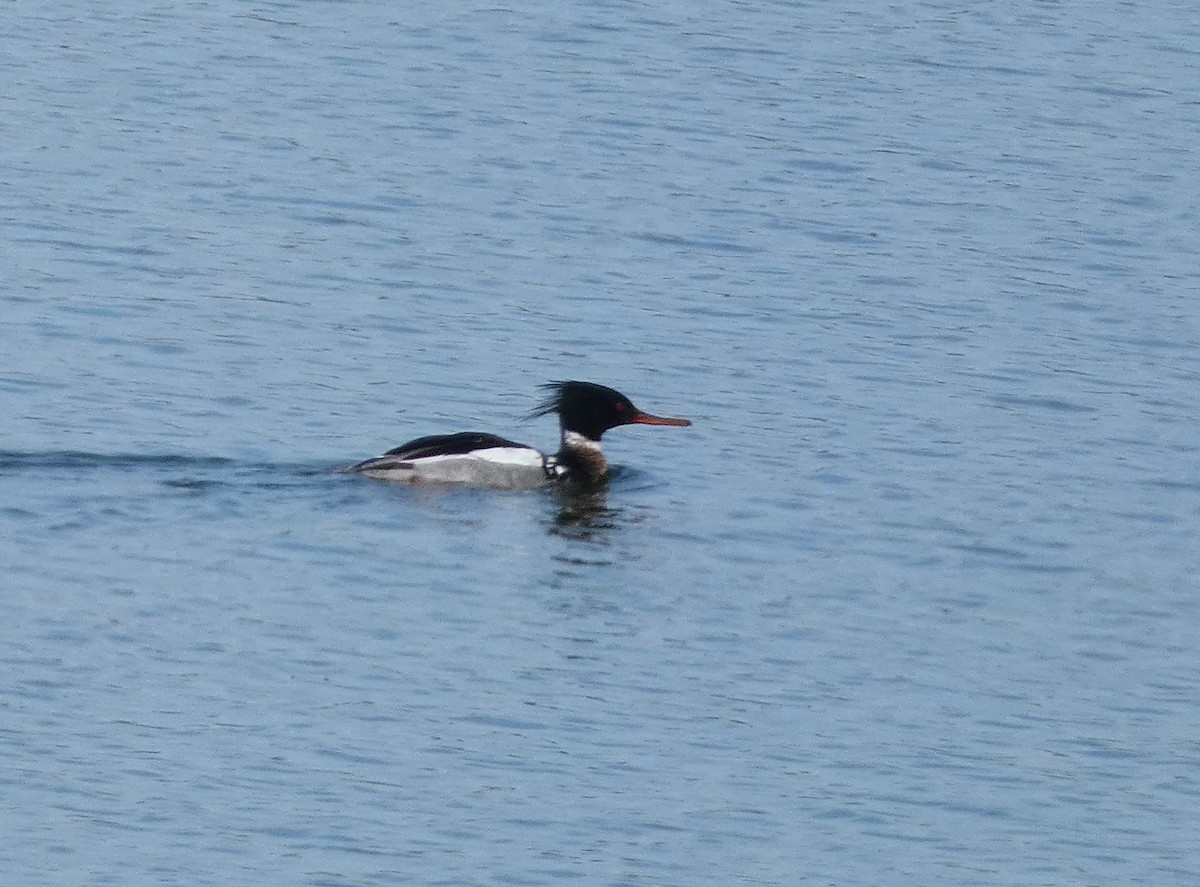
585 516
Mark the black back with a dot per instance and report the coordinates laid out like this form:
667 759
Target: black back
449 445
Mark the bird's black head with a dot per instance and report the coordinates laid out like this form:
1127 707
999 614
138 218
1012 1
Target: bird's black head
590 409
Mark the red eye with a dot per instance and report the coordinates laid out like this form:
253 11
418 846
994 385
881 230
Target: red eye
620 407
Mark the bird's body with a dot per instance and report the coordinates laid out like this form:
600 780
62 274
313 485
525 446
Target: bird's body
585 411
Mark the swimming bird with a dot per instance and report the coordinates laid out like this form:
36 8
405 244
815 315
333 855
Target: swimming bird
585 411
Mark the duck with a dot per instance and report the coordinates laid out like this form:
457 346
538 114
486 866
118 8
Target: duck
585 411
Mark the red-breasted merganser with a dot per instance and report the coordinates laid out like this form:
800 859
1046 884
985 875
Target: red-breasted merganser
585 411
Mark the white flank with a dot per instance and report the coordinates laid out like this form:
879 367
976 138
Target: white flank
507 468
527 456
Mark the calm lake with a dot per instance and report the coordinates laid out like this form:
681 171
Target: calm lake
915 601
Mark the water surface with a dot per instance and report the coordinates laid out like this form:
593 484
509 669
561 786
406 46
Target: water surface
912 602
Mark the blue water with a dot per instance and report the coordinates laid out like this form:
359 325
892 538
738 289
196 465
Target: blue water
914 601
